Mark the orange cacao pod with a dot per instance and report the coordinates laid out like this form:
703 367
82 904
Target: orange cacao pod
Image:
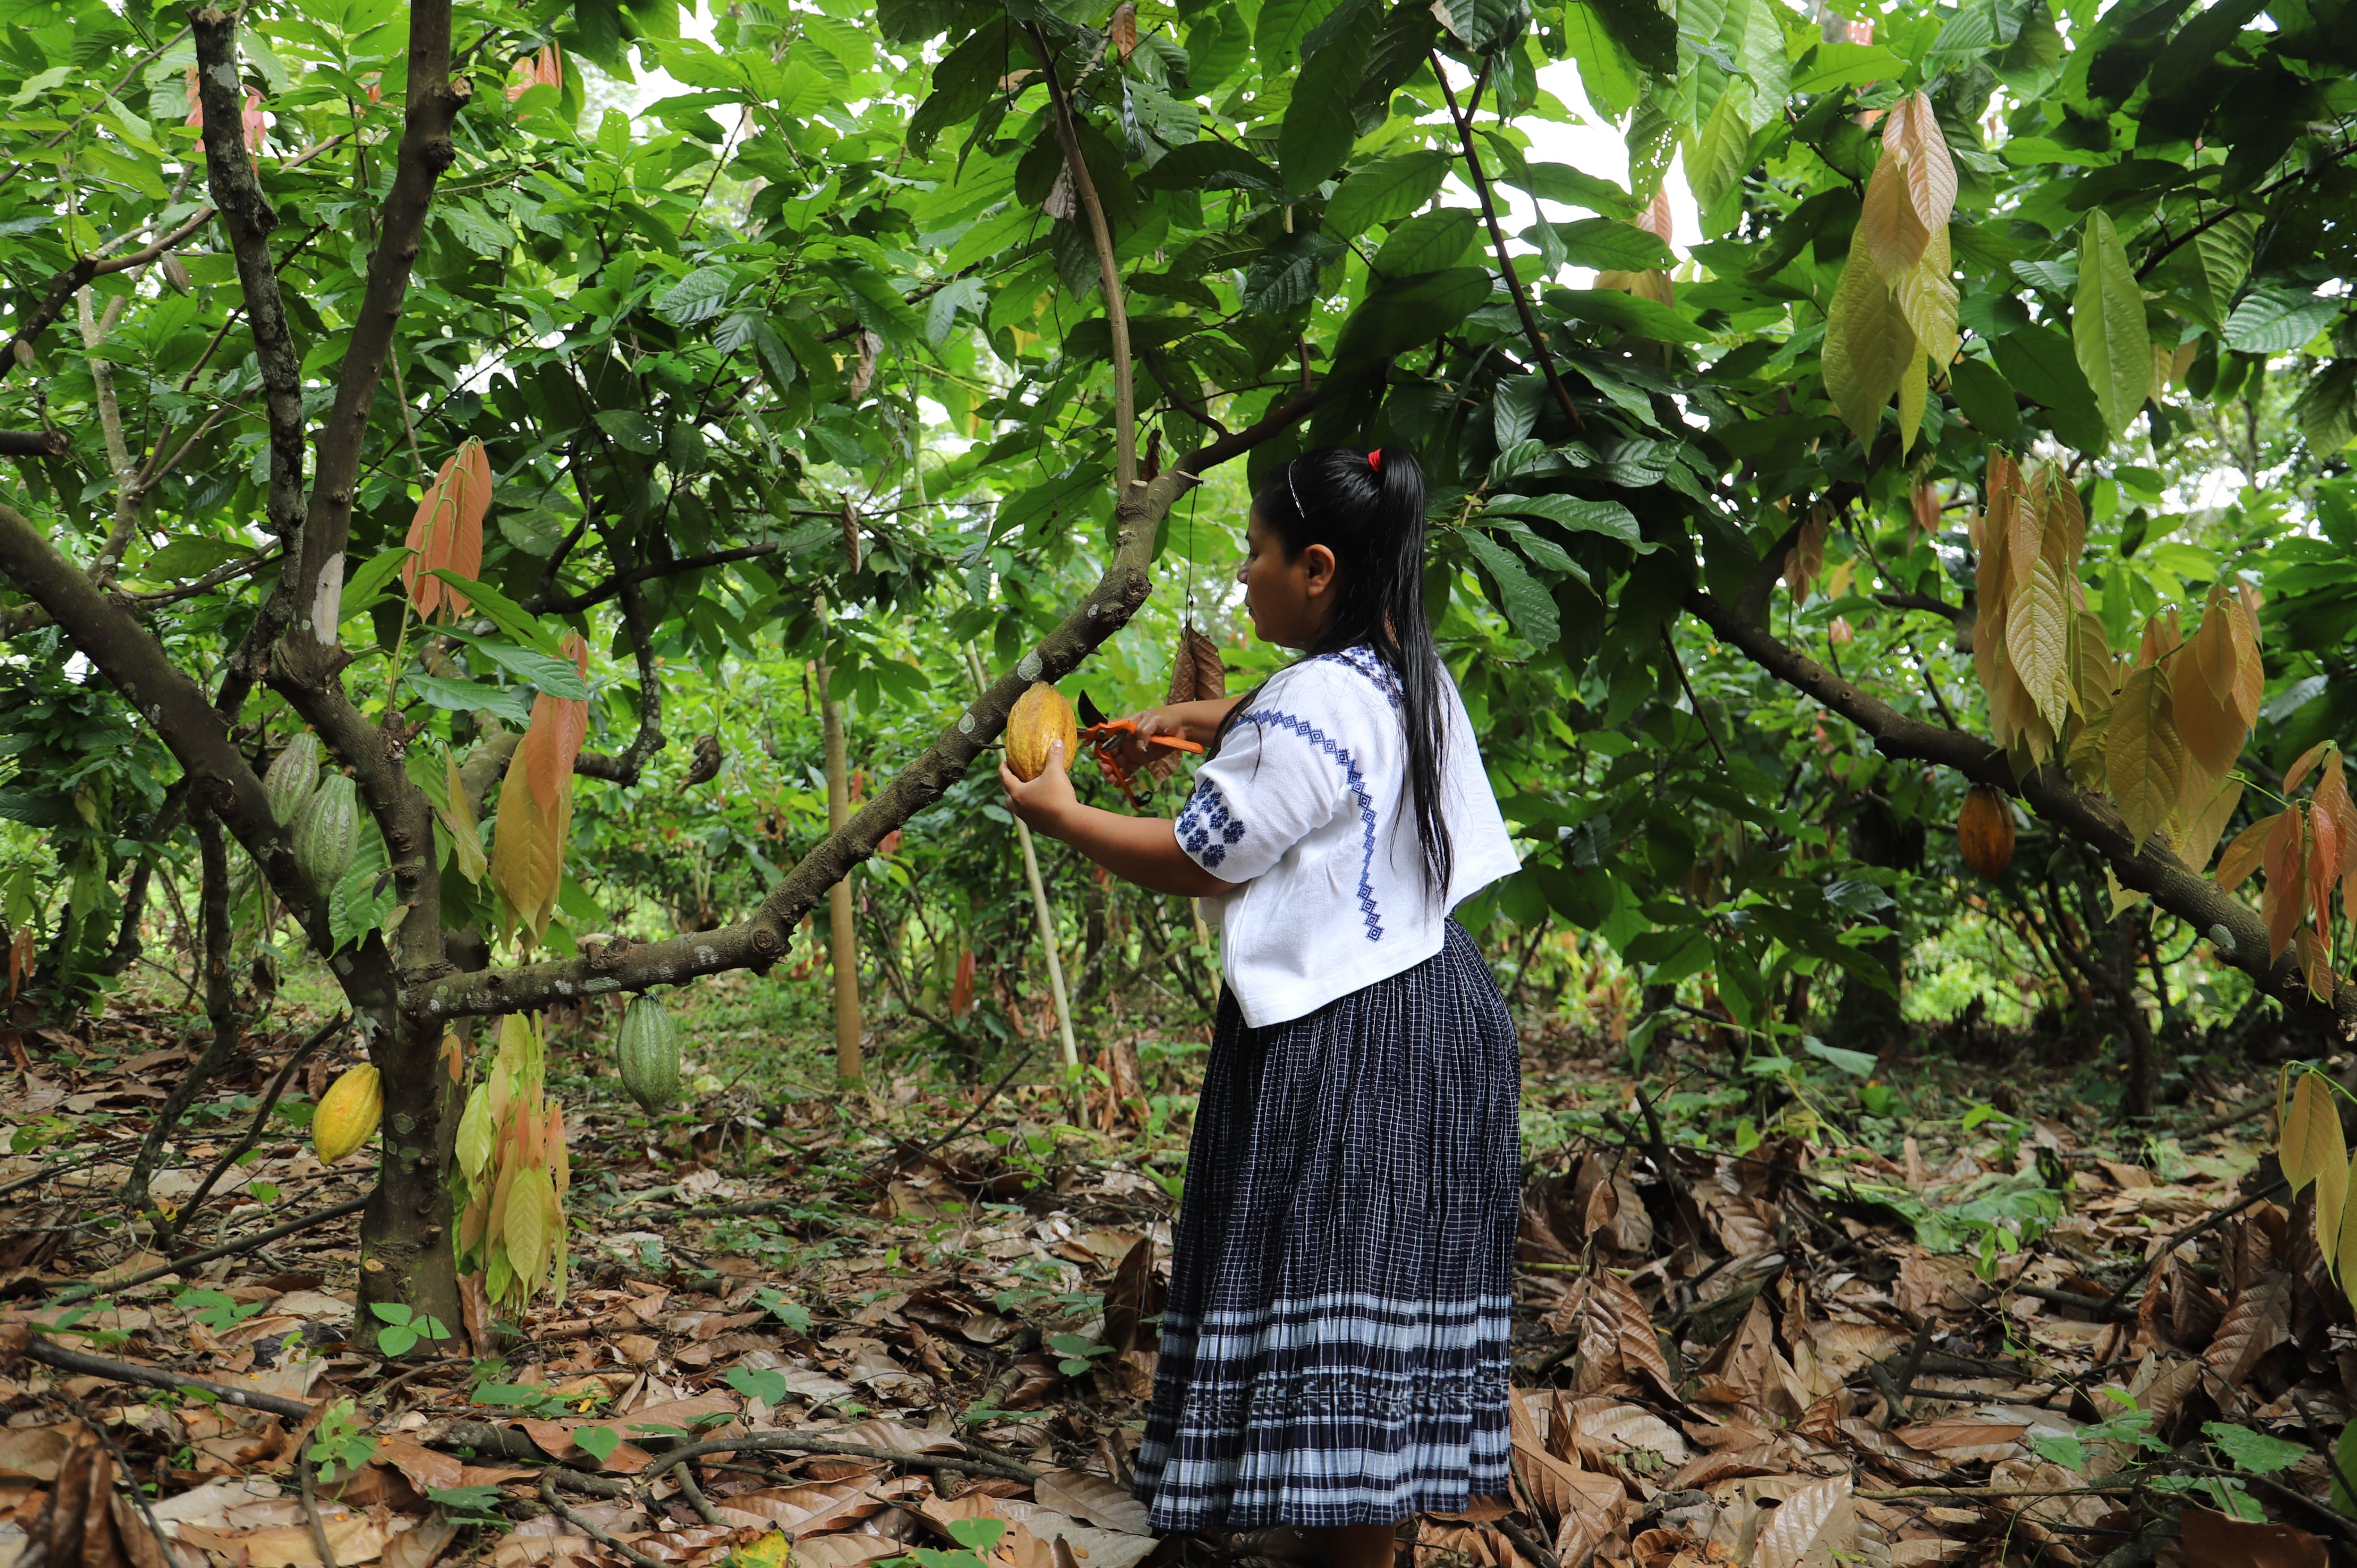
1040 716
1985 831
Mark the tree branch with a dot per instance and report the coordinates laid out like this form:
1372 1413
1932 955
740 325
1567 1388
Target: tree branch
2149 868
1464 123
1125 387
761 939
434 102
174 704
250 218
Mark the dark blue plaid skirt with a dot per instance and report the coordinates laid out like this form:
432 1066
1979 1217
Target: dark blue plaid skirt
1334 1349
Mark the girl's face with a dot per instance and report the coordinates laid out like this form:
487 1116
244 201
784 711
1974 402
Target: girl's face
1289 601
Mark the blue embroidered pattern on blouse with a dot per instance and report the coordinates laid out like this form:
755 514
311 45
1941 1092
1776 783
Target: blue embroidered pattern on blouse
1358 783
1206 827
1368 662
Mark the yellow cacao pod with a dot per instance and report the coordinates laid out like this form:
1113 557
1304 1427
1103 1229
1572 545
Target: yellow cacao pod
1040 716
347 1114
1985 831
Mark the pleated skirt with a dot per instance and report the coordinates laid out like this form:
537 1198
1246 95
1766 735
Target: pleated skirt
1335 1344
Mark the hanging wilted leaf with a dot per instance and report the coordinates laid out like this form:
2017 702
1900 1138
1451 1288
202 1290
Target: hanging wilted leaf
2284 898
2144 759
1890 235
446 534
2199 840
1806 559
2243 856
1121 32
1910 130
2310 1145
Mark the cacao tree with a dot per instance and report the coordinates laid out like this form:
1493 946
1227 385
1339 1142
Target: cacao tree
928 315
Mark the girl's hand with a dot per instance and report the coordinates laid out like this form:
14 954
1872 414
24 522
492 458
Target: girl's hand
1134 753
1046 802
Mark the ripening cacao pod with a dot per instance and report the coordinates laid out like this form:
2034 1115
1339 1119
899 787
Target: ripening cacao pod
1040 716
646 1049
328 832
347 1114
292 777
1985 831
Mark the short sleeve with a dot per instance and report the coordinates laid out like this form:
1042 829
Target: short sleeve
1263 793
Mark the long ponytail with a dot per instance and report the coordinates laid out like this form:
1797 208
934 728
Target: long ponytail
1368 509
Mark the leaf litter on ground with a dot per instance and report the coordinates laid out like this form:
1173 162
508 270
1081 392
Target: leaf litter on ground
1989 1343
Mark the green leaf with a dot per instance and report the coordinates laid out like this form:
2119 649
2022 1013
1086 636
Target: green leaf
2277 321
1985 398
1482 25
2253 1452
2107 325
1383 191
1282 26
2344 1457
759 1383
1396 318
963 82
1611 518
503 612
698 296
1319 125
557 677
361 587
2042 365
1857 1064
1287 273
597 1442
193 557
2222 253
1847 65
1426 242
470 696
1214 165
1607 243
1642 318
1528 607
1644 32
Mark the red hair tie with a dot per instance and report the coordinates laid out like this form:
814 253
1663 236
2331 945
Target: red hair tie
1376 460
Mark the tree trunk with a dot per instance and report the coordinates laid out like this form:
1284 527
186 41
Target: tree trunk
2144 1063
843 937
405 1231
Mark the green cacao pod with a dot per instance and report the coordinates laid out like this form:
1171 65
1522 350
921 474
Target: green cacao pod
328 832
646 1048
292 777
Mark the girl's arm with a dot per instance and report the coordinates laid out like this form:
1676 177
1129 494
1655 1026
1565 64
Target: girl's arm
1143 850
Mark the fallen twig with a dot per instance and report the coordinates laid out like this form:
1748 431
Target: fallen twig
1527 1546
51 1354
226 1250
2077 1303
555 1506
2199 1228
311 1513
819 1443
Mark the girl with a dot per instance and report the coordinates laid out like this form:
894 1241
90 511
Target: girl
1334 1350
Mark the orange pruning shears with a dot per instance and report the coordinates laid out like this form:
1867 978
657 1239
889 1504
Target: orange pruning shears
1104 736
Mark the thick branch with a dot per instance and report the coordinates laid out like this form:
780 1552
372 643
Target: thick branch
434 102
2235 929
1464 123
52 303
250 218
759 940
167 700
1125 389
32 443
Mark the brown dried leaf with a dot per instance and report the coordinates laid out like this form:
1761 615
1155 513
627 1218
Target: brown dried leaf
1818 1521
1093 1500
2212 1538
2255 1323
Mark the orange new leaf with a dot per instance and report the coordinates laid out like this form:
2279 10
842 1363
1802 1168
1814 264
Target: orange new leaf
2243 856
446 534
2285 896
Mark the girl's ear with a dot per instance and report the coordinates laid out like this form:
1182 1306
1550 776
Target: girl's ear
1317 567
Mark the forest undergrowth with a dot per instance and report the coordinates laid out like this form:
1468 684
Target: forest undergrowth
1769 1313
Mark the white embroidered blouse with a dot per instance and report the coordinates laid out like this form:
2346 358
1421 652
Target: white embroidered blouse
1306 805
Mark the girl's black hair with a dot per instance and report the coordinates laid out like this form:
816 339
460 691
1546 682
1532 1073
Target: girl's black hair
1368 509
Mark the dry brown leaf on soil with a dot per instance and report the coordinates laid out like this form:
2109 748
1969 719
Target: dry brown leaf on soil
1817 1523
422 1544
2257 1320
352 1538
2212 1538
1965 1440
1093 1499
